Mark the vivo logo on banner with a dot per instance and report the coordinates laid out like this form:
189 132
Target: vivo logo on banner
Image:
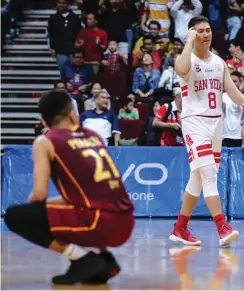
139 168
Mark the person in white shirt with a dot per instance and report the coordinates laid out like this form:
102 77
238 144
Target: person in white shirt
182 12
232 117
169 78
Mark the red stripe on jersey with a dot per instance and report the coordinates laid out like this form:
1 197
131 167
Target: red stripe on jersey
216 154
204 153
190 159
183 88
184 94
204 147
217 161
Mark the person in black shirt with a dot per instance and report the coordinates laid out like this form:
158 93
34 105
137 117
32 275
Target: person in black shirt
63 28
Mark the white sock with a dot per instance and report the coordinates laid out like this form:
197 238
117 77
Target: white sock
74 252
95 250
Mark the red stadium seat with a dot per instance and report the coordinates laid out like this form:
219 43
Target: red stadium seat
143 109
115 83
131 129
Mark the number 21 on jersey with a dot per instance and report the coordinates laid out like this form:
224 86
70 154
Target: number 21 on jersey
100 174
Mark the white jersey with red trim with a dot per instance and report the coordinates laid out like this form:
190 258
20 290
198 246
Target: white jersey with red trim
202 88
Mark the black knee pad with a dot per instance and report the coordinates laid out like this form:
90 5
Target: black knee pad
11 217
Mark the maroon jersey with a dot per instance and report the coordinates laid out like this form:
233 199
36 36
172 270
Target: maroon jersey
84 172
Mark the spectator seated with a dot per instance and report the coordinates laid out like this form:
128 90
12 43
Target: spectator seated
78 75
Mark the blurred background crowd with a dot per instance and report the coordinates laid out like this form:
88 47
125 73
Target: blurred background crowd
117 57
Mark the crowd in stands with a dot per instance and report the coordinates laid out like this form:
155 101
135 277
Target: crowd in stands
117 62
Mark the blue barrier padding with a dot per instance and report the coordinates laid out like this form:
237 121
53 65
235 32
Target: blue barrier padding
236 185
155 178
17 177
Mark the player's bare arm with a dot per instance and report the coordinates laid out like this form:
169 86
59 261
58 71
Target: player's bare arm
42 154
183 62
231 88
164 125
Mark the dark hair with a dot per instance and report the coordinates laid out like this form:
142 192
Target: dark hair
187 2
156 23
80 50
54 106
92 85
148 37
113 40
94 14
127 101
197 19
178 40
237 74
237 42
58 82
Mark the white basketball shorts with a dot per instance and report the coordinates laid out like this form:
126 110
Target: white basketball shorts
203 137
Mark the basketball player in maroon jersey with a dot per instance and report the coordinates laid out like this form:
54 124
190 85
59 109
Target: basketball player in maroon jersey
93 210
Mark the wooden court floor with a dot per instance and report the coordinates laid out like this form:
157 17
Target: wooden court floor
149 261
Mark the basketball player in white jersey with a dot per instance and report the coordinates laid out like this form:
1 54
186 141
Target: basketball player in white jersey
204 76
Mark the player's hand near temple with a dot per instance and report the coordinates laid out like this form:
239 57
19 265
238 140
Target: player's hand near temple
183 62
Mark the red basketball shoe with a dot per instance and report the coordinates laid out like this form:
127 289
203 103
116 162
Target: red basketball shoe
183 235
226 234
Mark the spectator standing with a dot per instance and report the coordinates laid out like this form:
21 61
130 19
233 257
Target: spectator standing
157 10
113 59
182 11
168 119
232 117
115 22
94 41
146 78
63 28
102 120
78 75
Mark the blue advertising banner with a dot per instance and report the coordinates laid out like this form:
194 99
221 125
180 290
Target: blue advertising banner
236 185
17 179
155 178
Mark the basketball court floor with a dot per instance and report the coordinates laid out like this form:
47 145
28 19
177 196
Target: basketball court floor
148 260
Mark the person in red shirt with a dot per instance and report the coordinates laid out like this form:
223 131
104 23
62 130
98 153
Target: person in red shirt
234 50
94 40
168 119
93 209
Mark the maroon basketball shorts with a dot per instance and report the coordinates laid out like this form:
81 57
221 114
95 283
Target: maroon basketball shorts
89 227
